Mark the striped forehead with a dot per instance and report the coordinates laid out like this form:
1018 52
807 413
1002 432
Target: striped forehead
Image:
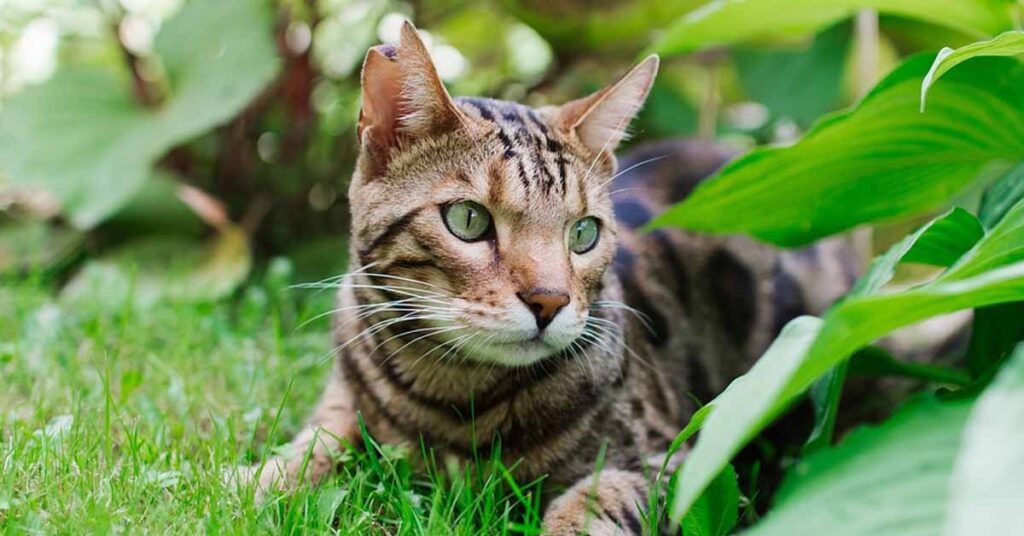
539 162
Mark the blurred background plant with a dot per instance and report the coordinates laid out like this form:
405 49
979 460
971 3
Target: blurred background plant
155 153
109 107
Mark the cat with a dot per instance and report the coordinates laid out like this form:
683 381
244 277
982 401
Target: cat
500 291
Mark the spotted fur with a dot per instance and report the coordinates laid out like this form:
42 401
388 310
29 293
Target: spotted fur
428 347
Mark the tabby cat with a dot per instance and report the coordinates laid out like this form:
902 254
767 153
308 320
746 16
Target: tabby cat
499 291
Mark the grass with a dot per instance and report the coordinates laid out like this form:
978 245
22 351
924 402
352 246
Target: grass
126 419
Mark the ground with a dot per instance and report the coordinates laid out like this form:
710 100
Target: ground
126 419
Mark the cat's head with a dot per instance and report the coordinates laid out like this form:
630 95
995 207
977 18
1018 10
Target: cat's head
491 221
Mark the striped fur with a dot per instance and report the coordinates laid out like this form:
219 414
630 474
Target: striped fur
426 325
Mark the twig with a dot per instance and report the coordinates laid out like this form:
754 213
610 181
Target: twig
708 113
141 88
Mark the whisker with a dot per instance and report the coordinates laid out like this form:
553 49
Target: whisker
404 304
340 276
407 291
373 329
619 338
417 339
634 166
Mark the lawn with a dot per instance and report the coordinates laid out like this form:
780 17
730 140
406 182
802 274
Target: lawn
127 420
159 161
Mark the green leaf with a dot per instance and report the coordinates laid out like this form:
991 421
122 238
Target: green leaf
684 435
890 480
874 361
735 419
1002 196
807 348
825 394
716 511
575 26
1005 44
881 160
97 149
727 22
986 494
35 245
801 84
162 268
995 332
910 35
941 241
946 239
1003 245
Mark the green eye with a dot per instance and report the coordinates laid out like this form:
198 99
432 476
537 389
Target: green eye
583 235
467 220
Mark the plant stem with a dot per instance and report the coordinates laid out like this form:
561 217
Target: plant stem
708 114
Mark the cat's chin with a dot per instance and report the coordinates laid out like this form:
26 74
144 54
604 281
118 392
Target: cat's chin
513 354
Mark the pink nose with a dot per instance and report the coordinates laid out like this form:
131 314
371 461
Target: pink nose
544 304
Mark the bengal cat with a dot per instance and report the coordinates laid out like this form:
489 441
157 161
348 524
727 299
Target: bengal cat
499 291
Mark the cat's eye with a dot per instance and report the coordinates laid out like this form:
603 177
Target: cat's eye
583 235
467 220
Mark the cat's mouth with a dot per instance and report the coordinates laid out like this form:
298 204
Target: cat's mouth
516 353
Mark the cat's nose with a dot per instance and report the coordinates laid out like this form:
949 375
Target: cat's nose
544 304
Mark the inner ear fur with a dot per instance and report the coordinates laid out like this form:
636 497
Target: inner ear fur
403 96
600 120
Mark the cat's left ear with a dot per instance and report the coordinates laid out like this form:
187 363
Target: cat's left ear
600 120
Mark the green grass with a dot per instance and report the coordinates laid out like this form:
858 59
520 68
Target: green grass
127 419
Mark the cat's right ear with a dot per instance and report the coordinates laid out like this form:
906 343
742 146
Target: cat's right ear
382 90
403 96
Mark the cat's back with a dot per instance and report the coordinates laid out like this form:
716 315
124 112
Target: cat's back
711 304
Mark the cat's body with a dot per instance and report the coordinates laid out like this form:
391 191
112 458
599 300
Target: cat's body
512 335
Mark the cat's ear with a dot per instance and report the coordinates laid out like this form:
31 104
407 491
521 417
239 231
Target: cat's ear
403 97
600 120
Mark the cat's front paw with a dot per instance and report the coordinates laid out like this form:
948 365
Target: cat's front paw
609 506
260 479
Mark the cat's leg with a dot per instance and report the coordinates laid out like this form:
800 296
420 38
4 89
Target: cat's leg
605 503
312 454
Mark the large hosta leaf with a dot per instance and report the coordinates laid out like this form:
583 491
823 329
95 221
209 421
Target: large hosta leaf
941 242
1005 44
1002 196
726 22
892 480
84 138
986 486
881 160
807 348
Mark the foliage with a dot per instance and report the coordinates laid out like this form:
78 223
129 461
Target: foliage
157 200
988 468
830 180
726 22
715 512
212 71
889 480
802 84
1004 44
